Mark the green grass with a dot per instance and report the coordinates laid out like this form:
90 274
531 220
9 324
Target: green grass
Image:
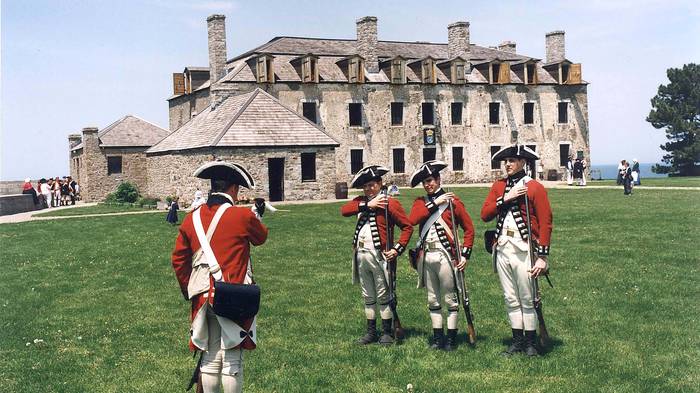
101 294
95 209
691 181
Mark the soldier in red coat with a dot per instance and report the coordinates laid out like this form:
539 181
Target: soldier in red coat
230 231
370 257
435 265
506 203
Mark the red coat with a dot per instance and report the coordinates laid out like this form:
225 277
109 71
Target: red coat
540 210
237 229
421 211
397 216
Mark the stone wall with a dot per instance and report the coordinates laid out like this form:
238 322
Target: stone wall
377 136
171 174
182 108
12 187
19 203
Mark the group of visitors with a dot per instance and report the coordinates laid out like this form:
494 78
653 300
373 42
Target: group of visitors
628 176
53 192
575 171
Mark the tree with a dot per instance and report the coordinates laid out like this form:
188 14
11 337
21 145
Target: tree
676 108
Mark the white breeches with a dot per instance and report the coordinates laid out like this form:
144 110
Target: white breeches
373 283
513 264
439 281
223 366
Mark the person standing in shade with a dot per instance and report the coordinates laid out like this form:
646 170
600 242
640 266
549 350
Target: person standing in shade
636 178
435 267
172 212
506 203
230 230
570 171
370 245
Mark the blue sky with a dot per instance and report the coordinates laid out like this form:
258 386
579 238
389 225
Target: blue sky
70 64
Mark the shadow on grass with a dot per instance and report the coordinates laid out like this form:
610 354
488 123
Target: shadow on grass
552 344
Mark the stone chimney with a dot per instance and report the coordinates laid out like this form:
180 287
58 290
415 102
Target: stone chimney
554 43
507 46
216 29
90 140
74 140
458 40
367 42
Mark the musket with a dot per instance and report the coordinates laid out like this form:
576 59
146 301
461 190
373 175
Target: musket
391 267
537 301
197 376
471 333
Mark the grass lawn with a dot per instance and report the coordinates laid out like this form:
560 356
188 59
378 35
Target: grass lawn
95 209
691 181
101 294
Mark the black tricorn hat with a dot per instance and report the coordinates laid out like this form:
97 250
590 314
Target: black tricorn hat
366 174
427 169
515 151
221 170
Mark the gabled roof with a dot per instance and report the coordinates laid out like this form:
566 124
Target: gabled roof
129 131
254 119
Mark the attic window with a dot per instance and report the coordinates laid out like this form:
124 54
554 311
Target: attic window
428 71
531 74
309 69
564 75
457 72
499 73
264 71
398 71
356 70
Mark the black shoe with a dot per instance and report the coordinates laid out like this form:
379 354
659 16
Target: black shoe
371 335
530 340
387 337
438 336
451 343
518 344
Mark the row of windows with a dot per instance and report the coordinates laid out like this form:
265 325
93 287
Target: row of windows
430 153
428 113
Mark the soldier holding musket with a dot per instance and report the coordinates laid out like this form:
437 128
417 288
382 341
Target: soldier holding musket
437 254
377 214
520 203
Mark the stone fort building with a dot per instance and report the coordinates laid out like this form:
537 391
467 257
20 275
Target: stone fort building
363 101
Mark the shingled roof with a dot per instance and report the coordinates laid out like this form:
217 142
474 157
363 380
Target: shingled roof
129 131
252 119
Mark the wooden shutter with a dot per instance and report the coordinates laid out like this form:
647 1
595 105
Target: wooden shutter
178 83
574 74
504 72
261 69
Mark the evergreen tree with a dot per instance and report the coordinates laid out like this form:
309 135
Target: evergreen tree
676 108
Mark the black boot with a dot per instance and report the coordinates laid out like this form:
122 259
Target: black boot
438 337
371 335
387 337
530 340
518 343
451 343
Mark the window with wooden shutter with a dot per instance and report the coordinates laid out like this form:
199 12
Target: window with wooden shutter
398 71
309 69
356 70
504 72
428 71
563 73
494 72
457 72
574 74
530 74
263 69
178 83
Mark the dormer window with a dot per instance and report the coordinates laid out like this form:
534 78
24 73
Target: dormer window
309 69
530 74
354 68
398 70
573 74
457 71
264 72
428 74
563 73
499 72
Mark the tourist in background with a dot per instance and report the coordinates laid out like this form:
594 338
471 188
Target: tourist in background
636 179
198 199
172 212
620 172
570 171
27 188
627 177
580 171
56 191
45 191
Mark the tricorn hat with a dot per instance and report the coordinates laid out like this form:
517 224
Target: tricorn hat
427 169
515 151
366 174
221 170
